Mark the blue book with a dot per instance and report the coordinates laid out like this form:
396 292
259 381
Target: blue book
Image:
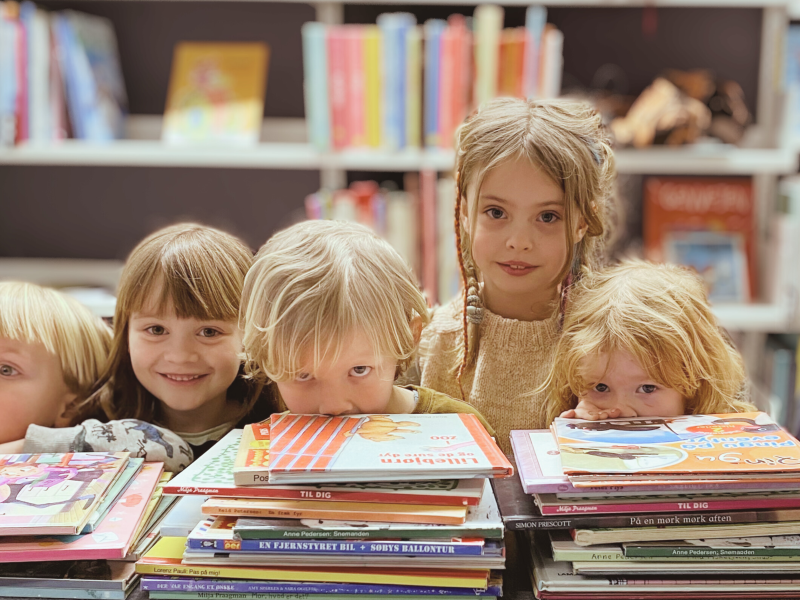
183 584
8 81
433 48
315 81
535 20
394 28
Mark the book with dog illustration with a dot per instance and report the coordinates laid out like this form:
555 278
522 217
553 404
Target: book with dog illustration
316 449
54 494
732 446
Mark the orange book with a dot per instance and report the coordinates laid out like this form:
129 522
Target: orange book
216 93
512 54
675 206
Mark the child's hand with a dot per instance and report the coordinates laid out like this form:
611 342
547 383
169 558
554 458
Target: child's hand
12 447
589 412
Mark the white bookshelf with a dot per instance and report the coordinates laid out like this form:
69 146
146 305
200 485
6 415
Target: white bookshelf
284 146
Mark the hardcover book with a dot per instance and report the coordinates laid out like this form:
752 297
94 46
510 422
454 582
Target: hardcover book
701 204
216 93
313 448
165 558
81 579
483 521
323 509
781 547
213 475
54 494
111 539
732 446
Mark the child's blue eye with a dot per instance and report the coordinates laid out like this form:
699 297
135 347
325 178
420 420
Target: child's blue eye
156 330
360 371
495 213
647 388
601 387
549 217
8 370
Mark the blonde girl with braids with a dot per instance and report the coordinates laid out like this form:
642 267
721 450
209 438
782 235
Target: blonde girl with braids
640 340
176 355
534 185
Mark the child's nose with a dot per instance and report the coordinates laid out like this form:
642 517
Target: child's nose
335 405
180 351
519 240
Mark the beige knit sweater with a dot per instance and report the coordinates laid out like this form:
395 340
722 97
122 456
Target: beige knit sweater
514 358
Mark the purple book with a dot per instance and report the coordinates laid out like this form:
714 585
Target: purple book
185 584
539 467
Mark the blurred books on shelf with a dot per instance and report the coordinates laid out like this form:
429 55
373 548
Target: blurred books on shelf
398 84
418 222
59 73
216 93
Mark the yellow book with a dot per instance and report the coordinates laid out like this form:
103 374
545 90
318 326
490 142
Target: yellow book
252 459
216 93
339 511
414 87
372 84
488 21
164 558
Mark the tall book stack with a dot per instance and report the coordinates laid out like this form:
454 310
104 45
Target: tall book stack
71 525
339 505
60 76
398 84
698 506
417 222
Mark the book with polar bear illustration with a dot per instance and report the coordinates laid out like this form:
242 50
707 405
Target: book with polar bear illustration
732 446
314 448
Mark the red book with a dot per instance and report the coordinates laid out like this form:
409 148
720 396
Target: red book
354 76
447 73
721 205
430 275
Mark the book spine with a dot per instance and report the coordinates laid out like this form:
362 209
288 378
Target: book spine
337 515
535 19
324 534
315 65
686 505
432 31
337 87
430 278
257 596
276 493
522 523
488 24
552 56
356 100
267 587
414 86
381 547
372 84
699 552
446 85
394 75
500 464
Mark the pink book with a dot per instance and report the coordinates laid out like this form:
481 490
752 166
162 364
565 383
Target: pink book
539 465
462 75
549 504
337 82
447 70
354 76
110 540
427 195
58 106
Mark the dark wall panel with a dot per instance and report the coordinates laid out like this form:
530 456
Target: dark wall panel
82 212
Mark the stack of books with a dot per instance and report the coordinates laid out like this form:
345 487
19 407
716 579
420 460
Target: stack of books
687 507
72 525
375 504
397 84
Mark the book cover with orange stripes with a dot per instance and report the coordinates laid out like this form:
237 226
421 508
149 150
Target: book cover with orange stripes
315 448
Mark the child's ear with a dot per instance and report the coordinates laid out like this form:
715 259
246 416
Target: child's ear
581 231
64 406
416 329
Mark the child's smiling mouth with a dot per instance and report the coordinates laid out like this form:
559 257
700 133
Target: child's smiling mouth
517 268
178 378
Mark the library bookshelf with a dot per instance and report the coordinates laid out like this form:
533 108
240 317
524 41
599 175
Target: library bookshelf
285 146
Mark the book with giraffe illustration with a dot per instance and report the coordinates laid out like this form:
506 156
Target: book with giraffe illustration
54 494
316 448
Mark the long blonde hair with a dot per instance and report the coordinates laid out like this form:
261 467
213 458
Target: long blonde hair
317 282
567 141
194 270
34 314
661 316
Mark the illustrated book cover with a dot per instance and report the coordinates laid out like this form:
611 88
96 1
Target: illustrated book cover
54 494
212 475
216 93
314 448
732 445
